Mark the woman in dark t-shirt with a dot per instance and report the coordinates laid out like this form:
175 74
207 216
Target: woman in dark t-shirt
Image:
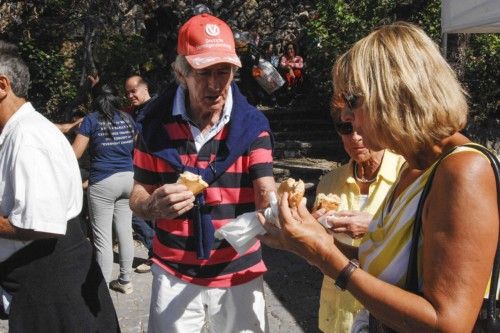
109 135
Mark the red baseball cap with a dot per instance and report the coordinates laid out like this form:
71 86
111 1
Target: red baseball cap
206 40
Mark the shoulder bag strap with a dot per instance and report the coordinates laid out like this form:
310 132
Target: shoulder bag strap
412 273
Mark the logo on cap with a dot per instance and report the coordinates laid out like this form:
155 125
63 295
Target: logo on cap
212 30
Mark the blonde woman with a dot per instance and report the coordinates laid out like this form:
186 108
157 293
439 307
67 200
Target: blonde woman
408 99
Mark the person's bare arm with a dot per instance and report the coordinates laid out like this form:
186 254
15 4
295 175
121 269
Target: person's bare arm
9 231
460 230
80 144
167 201
262 186
66 127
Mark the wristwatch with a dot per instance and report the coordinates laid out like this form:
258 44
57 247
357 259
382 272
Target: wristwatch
345 274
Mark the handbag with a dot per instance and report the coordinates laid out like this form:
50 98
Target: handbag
488 320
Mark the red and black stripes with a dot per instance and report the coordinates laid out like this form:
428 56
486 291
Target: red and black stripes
228 196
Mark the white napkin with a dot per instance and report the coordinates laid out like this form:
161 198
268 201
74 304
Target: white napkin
6 299
326 222
241 231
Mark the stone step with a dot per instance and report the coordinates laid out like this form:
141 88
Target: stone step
306 135
329 150
307 169
285 113
300 125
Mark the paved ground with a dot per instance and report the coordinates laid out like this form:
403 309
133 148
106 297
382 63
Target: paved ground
291 288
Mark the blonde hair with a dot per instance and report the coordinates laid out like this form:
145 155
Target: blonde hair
410 94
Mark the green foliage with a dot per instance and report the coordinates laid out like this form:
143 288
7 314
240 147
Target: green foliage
51 81
342 22
481 76
119 56
53 34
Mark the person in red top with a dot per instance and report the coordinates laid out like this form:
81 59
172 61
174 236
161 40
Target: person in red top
291 65
206 126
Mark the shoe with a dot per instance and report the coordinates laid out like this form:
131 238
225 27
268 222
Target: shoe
125 288
145 267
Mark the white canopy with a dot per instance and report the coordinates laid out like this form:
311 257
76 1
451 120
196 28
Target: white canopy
470 16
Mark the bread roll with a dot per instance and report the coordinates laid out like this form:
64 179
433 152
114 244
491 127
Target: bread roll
193 182
328 202
295 190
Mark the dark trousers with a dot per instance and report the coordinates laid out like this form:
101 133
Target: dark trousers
144 232
57 286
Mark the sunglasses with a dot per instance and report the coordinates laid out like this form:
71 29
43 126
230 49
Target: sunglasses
344 127
351 100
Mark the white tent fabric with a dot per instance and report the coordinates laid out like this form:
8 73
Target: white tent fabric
470 16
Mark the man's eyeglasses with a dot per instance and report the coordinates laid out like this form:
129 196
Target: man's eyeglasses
344 127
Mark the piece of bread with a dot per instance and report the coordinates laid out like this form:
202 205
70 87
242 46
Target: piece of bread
193 182
295 190
328 202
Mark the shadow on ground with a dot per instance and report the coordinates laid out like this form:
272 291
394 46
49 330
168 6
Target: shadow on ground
296 285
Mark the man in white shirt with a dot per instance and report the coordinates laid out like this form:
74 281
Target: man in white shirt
49 280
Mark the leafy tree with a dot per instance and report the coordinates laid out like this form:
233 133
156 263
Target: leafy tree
64 41
340 23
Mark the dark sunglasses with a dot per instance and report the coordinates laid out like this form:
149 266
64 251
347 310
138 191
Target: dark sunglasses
351 100
344 127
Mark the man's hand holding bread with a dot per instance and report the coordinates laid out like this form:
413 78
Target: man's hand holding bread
172 200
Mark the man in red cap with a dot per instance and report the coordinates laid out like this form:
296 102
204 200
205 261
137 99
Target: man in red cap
206 126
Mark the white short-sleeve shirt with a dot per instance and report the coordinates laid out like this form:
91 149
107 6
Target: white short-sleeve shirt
40 184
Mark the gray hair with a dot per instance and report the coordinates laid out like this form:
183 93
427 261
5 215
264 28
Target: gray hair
14 68
181 67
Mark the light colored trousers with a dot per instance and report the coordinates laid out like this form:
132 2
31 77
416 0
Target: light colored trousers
181 307
108 209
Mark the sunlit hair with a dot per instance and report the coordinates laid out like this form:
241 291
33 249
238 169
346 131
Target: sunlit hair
107 103
182 68
411 96
14 68
140 80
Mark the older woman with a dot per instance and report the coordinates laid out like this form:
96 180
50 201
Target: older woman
402 95
362 185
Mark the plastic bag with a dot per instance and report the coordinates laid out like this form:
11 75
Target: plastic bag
269 79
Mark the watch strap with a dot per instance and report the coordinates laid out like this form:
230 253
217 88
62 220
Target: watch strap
345 274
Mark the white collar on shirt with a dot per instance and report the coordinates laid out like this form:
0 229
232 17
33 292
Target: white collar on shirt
179 109
26 107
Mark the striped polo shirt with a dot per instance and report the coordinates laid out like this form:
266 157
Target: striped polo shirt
230 195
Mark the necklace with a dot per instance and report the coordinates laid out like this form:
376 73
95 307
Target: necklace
361 180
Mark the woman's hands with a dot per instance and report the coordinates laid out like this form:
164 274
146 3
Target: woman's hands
353 223
299 232
169 201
